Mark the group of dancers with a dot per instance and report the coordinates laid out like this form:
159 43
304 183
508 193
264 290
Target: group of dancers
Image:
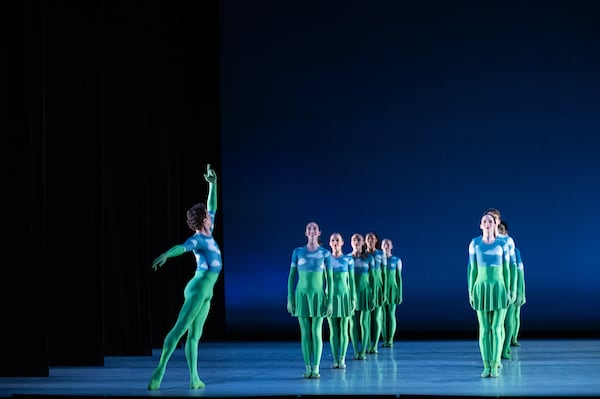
496 284
357 292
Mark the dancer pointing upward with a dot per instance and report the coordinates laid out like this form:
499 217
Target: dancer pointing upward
199 290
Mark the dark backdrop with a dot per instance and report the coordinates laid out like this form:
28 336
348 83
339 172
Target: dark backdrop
410 118
360 117
110 113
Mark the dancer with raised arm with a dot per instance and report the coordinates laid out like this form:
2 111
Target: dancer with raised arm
199 290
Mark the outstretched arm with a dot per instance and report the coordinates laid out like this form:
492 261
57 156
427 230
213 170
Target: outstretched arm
211 177
171 253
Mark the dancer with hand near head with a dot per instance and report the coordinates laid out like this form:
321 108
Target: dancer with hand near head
199 290
312 298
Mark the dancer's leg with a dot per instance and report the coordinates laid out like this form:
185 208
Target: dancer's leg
306 343
191 346
334 339
365 331
509 331
376 325
485 331
355 333
344 324
317 342
389 324
498 318
187 314
515 339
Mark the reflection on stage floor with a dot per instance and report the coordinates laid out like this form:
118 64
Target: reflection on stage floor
539 368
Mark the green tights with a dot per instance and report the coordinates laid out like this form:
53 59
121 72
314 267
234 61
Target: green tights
389 324
376 328
198 293
311 339
338 339
510 326
360 333
491 338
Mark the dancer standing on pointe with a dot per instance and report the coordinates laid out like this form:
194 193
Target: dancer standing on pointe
312 298
488 279
199 290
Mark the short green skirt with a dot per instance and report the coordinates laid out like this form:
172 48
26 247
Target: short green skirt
489 291
342 305
378 289
310 303
392 292
364 292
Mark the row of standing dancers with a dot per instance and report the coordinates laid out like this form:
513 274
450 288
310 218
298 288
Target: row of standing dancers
357 292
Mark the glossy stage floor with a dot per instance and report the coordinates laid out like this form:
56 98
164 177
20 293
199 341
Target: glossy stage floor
418 369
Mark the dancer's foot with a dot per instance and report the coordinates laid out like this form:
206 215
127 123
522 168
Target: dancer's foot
156 379
315 372
342 365
335 366
197 383
308 372
515 343
506 355
494 372
485 373
362 356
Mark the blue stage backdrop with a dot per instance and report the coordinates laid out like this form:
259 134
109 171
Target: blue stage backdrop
411 119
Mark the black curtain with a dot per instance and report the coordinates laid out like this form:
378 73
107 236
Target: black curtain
111 113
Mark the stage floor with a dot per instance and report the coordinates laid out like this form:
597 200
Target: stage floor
540 368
